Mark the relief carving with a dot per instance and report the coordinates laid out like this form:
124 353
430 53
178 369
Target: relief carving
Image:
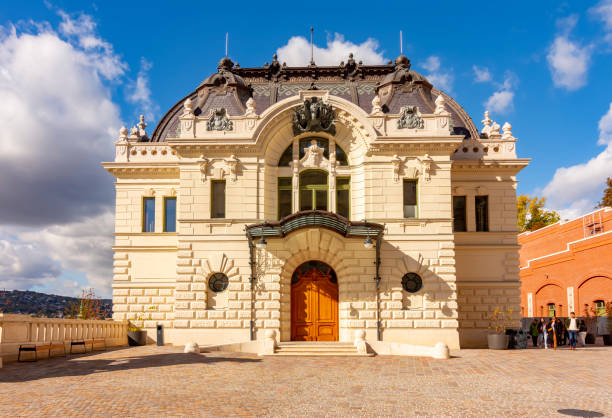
314 116
219 121
410 118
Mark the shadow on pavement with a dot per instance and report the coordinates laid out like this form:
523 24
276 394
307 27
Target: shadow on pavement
85 365
580 413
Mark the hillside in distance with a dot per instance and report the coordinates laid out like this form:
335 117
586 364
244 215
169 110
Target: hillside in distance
42 304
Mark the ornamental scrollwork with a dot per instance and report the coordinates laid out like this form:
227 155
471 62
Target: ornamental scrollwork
314 116
410 118
219 121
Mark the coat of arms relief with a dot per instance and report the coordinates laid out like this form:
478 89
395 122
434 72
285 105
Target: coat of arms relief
314 116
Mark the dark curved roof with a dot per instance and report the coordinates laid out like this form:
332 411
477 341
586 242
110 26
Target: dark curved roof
315 218
396 84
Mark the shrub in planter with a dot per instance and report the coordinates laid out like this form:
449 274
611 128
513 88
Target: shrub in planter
498 340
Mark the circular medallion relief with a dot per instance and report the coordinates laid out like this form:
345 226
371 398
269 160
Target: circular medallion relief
218 282
412 282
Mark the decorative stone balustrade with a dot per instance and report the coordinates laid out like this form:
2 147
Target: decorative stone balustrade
24 329
143 152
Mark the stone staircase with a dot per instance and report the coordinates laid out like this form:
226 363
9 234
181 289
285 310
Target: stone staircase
317 348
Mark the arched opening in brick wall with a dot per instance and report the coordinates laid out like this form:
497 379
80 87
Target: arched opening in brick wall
549 294
597 288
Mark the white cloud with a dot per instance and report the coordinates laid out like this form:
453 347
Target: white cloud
297 52
569 62
605 128
97 52
576 190
500 101
482 75
440 79
432 63
140 92
603 12
58 123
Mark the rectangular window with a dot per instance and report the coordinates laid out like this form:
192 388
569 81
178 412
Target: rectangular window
285 194
551 309
218 199
148 214
410 198
343 188
459 223
170 214
482 213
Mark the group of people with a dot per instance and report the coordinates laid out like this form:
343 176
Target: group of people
556 332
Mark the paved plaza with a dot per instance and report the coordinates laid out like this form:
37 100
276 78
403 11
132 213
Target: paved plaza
162 381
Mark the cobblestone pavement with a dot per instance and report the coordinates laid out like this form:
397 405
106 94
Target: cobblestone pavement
162 381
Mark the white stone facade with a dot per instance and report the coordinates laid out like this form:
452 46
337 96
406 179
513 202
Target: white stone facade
162 277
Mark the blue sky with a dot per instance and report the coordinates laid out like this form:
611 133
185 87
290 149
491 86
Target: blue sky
75 71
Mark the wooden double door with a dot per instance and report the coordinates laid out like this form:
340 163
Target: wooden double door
314 303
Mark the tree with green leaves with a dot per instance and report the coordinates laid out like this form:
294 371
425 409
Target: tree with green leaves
606 200
532 215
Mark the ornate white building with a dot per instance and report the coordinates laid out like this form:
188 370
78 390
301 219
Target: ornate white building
315 202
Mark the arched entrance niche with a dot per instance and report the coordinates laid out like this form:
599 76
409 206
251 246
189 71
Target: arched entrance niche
550 294
592 289
275 134
314 302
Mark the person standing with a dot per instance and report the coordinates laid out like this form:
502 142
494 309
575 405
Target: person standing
543 334
556 329
572 328
533 331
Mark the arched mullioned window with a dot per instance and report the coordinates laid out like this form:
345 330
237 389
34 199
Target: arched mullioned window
287 156
312 188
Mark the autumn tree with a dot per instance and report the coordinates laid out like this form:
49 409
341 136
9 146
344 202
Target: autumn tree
532 215
606 200
87 307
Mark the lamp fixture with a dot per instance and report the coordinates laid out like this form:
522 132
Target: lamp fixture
261 244
368 242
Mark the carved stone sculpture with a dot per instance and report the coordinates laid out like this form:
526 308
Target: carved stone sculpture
487 123
426 162
397 167
313 155
204 164
410 118
142 133
188 107
250 110
123 132
232 168
376 105
507 128
314 116
219 121
440 106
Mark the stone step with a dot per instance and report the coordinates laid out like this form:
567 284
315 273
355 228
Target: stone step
315 348
321 353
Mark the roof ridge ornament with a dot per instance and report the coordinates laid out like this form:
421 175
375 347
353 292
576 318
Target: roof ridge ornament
352 69
314 116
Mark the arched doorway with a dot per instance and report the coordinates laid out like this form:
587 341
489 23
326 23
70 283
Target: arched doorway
314 303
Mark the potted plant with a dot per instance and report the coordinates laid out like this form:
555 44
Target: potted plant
604 324
136 335
498 340
591 324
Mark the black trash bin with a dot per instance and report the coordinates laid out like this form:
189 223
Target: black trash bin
160 335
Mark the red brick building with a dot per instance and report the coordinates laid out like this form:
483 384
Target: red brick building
567 265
